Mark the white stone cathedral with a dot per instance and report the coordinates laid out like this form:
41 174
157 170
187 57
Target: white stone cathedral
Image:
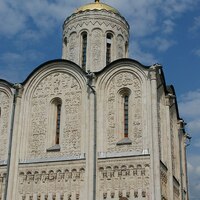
94 125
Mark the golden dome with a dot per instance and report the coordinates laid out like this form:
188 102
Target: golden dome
97 6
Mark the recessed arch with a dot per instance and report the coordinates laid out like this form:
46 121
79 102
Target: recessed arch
109 46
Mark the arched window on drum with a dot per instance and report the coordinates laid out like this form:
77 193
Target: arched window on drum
84 50
109 38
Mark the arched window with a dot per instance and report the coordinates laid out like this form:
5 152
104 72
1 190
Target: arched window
84 50
126 49
108 48
55 114
124 116
126 112
58 115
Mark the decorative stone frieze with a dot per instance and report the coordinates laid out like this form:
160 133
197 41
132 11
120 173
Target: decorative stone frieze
124 178
49 181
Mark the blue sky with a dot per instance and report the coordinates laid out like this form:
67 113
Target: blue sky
163 31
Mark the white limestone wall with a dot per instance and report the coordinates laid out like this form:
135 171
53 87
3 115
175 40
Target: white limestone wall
97 24
123 177
111 85
6 99
38 135
56 181
33 137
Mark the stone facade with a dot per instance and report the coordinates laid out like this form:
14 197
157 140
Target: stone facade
67 134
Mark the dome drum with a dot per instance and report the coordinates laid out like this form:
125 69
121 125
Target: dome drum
107 38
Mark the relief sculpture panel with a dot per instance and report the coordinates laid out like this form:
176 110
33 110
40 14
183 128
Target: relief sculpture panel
73 48
5 108
120 46
124 179
114 114
2 182
67 88
96 47
68 182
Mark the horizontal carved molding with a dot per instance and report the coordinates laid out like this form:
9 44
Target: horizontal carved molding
55 159
122 154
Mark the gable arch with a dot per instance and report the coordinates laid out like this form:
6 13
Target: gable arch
58 80
122 88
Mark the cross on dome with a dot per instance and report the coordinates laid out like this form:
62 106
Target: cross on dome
97 1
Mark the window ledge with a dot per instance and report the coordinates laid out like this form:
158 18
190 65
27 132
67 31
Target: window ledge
54 148
124 141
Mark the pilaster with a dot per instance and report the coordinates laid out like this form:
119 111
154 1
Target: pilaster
13 168
155 158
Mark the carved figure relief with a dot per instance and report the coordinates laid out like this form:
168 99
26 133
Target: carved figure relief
2 182
96 47
65 87
120 46
164 183
114 130
73 48
124 181
45 183
5 106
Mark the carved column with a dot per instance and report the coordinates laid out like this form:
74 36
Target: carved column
155 158
13 175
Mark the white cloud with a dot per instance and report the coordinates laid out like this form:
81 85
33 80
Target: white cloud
14 65
194 176
197 142
197 52
194 126
189 109
168 26
196 24
12 20
190 103
159 43
145 16
144 57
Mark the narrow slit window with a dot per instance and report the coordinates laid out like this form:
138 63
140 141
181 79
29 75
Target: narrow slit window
126 101
58 117
108 48
126 49
84 50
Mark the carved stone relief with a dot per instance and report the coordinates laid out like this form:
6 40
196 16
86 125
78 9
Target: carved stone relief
5 108
120 46
112 119
2 181
164 183
67 88
96 49
73 48
48 181
128 179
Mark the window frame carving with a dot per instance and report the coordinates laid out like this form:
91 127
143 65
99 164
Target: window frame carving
55 118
